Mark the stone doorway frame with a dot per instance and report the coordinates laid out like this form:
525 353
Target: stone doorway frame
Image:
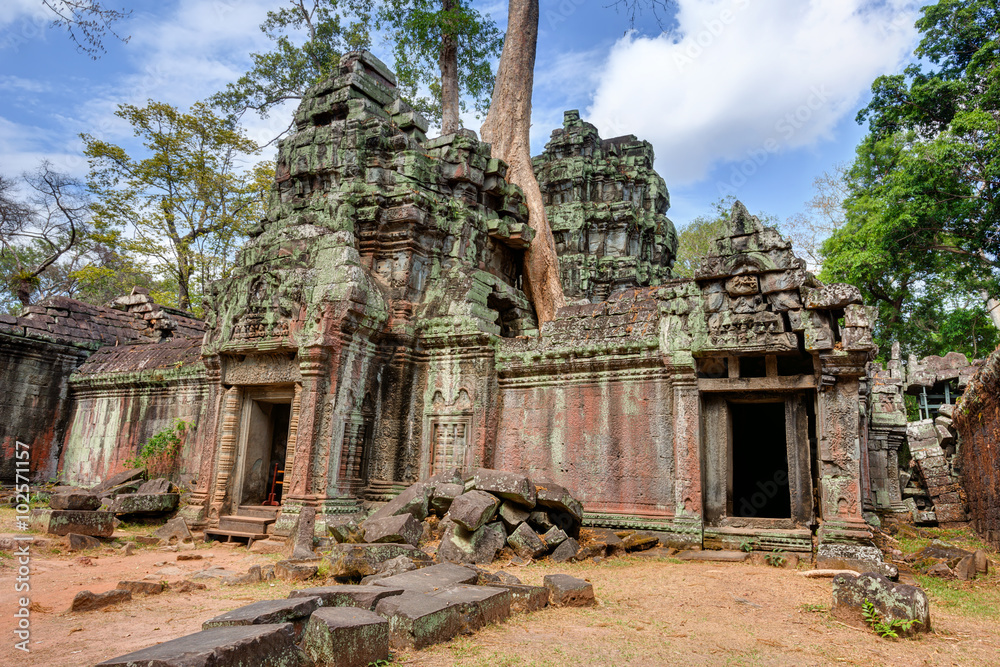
277 394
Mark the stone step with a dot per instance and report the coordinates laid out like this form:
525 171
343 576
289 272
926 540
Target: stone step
260 511
230 535
246 524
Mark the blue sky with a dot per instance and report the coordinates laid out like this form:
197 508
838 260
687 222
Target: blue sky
753 98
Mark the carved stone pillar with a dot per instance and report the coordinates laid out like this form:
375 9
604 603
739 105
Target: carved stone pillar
228 442
313 366
196 511
688 517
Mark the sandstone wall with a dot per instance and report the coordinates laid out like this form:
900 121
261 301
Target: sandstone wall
978 422
124 395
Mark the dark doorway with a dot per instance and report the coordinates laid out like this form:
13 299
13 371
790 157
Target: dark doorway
759 461
280 416
266 442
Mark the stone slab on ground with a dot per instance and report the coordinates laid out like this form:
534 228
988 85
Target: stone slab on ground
567 591
362 597
87 601
294 611
714 556
142 587
893 601
860 558
346 637
361 560
398 529
526 598
417 620
145 503
82 542
478 605
431 579
296 570
175 530
258 645
158 485
64 522
75 501
458 545
414 500
117 480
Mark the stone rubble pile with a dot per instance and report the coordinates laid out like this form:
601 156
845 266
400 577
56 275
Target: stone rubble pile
351 625
944 560
932 490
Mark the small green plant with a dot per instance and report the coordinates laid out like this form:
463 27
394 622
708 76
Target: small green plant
384 662
812 608
748 544
881 627
159 451
776 558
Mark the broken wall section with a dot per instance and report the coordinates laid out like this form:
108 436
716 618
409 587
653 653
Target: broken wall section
977 419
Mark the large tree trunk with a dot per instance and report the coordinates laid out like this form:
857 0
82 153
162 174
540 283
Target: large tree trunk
507 128
993 308
448 62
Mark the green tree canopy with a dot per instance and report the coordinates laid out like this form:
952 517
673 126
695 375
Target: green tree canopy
186 203
922 230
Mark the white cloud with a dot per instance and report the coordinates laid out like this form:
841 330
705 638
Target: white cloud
741 80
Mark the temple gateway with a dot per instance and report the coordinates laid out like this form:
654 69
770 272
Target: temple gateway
375 331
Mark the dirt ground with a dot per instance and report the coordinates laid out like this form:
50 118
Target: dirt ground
650 612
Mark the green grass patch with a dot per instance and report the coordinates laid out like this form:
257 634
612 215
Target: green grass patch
976 599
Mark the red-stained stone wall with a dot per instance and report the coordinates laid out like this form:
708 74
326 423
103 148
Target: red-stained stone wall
608 439
978 422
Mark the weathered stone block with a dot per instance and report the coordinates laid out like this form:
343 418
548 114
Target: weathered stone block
361 560
478 605
444 495
363 597
512 515
554 537
412 500
87 601
117 480
893 602
417 620
300 541
567 591
82 542
136 503
506 485
832 296
75 501
474 509
294 611
64 522
142 587
566 551
526 543
458 545
175 530
558 497
158 485
296 570
430 579
263 645
526 598
401 528
346 637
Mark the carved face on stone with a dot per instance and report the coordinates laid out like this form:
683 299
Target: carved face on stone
742 285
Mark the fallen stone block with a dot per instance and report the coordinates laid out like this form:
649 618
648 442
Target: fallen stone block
859 558
893 601
186 586
540 521
639 542
431 579
346 637
121 478
270 645
526 598
75 501
473 509
414 500
296 570
142 587
174 531
295 611
147 540
506 485
554 536
158 485
526 543
214 573
149 503
982 562
399 529
966 570
558 497
360 560
253 575
299 545
87 601
444 496
715 556
363 597
567 591
391 568
478 605
458 545
566 551
513 515
347 531
64 522
82 542
417 620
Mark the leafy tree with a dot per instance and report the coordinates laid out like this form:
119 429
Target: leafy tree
36 234
87 22
695 240
922 229
446 48
285 73
823 216
185 203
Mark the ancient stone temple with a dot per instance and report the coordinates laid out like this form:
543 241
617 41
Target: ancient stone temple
606 207
374 331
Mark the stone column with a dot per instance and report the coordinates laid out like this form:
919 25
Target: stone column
228 442
196 511
688 514
312 364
